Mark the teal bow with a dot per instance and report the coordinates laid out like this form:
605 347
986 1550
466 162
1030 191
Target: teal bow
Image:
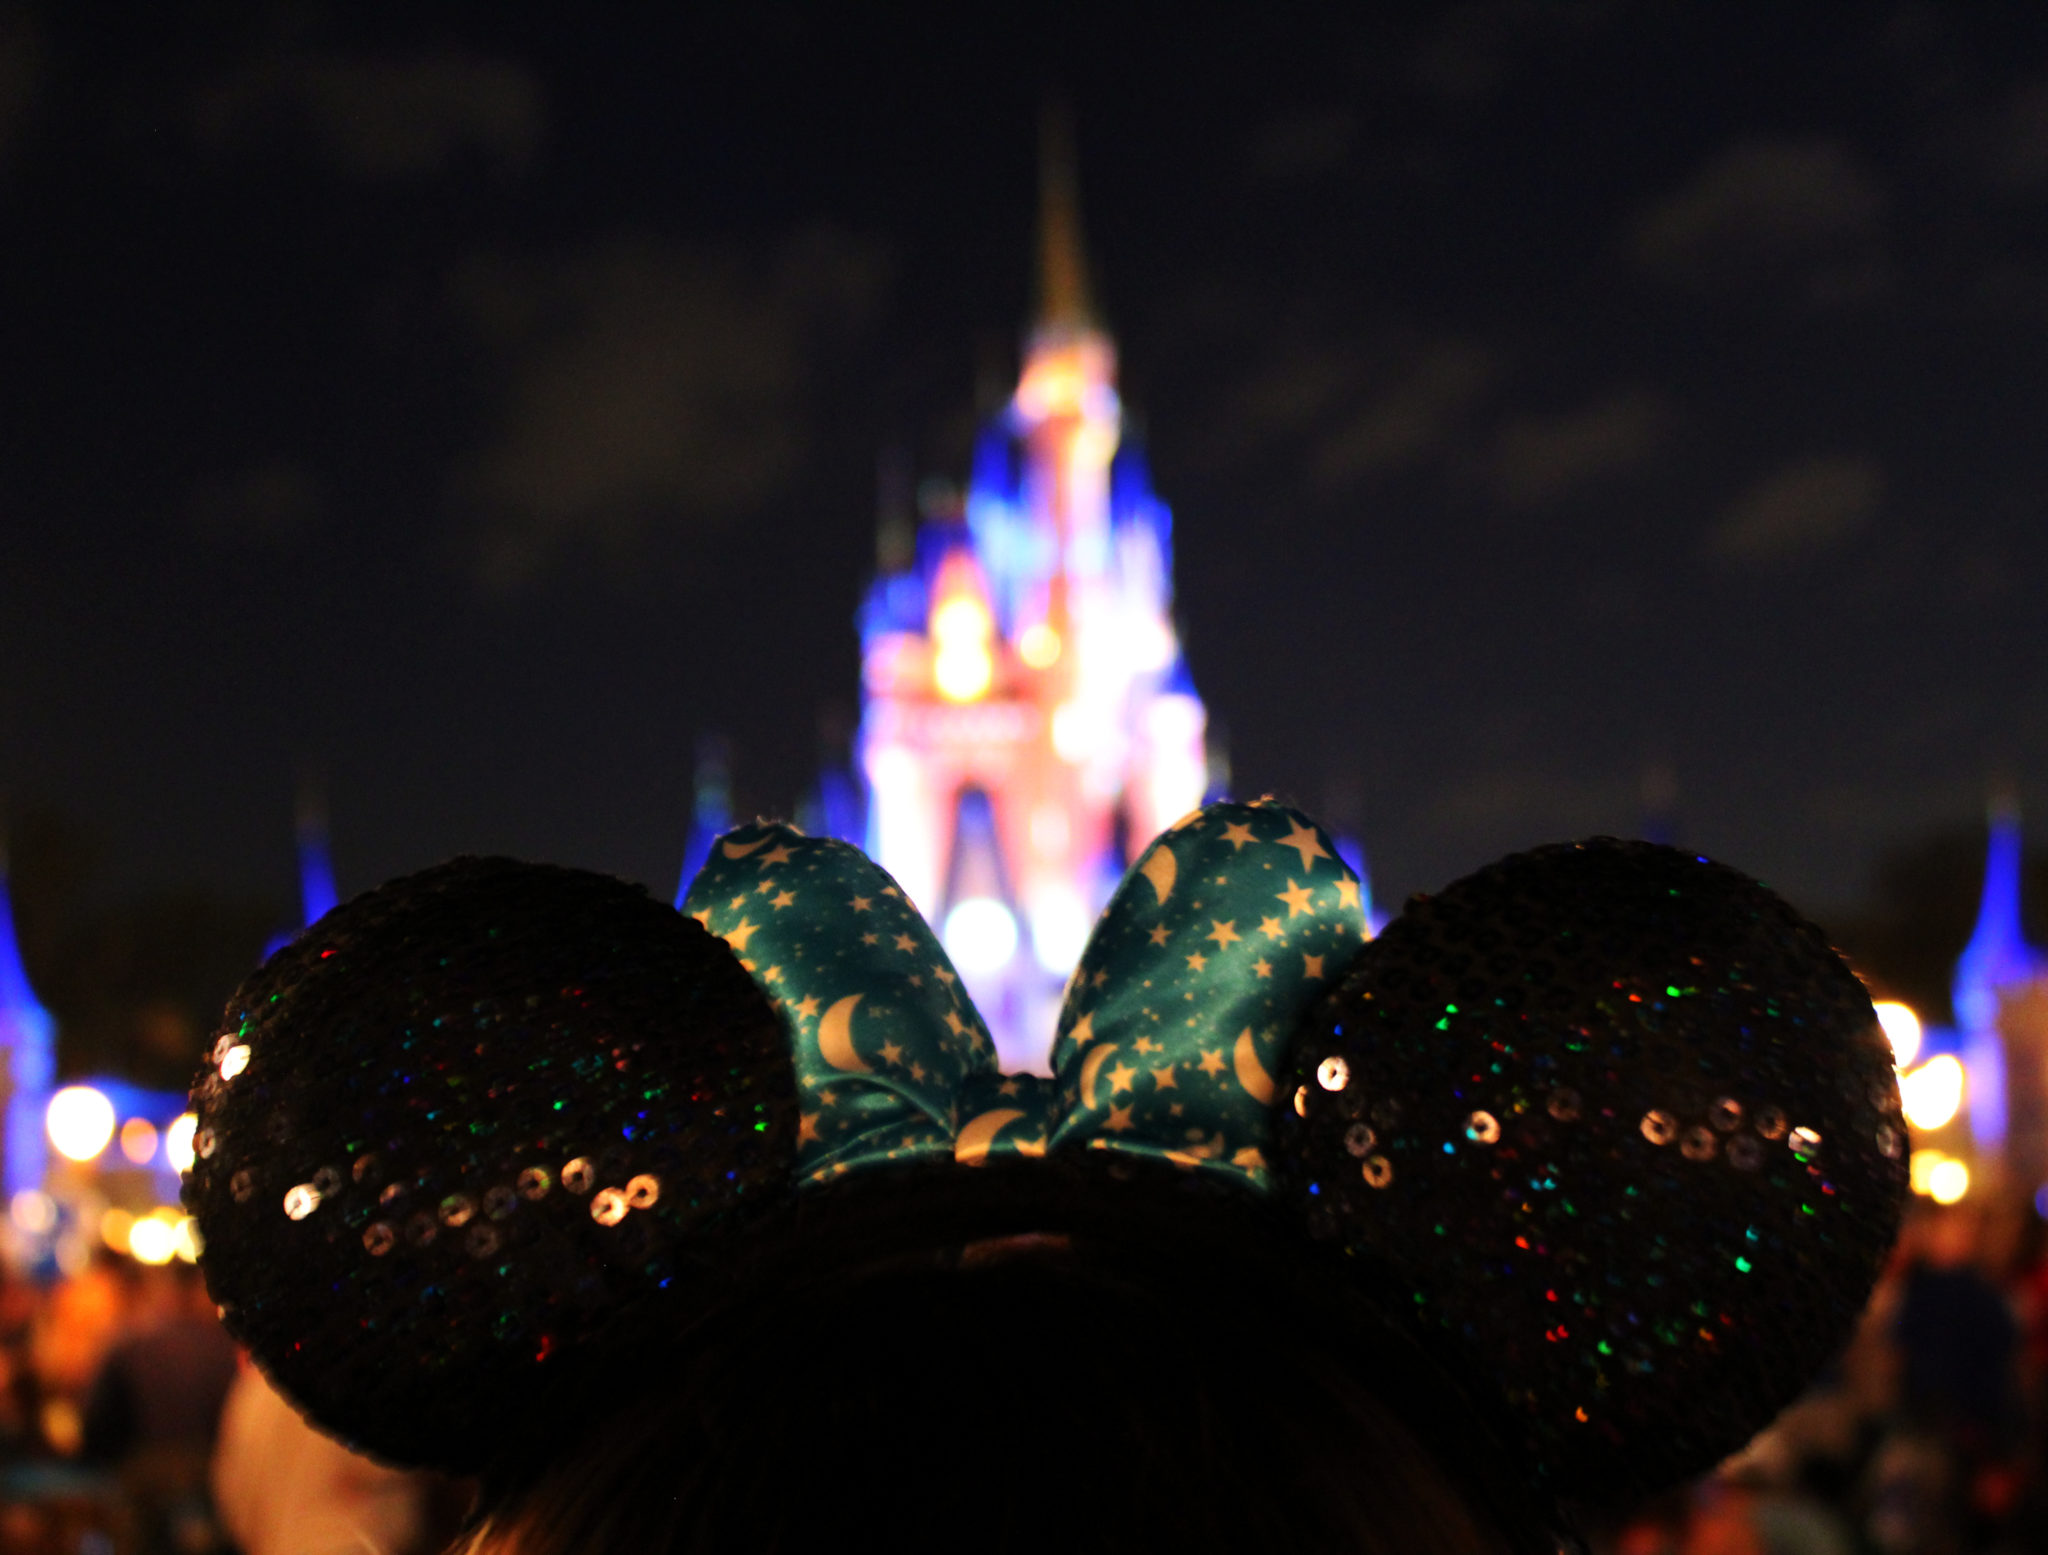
1216 941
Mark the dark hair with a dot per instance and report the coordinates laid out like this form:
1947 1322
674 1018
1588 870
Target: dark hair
1029 1394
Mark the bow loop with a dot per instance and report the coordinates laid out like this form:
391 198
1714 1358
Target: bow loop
883 1036
1219 938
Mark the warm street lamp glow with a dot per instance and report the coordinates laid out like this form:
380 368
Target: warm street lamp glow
138 1141
178 1142
80 1122
1039 647
962 665
153 1239
1933 1093
1901 1029
115 1225
33 1212
1948 1182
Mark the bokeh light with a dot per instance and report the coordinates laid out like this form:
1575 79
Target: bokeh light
1933 1093
1901 1029
80 1121
178 1142
138 1141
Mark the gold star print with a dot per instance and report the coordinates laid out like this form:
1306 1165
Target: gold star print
1120 1078
807 1128
827 1098
1270 927
1223 933
703 917
1237 834
1007 1088
1159 934
737 938
1119 1120
1146 1045
955 1024
783 899
779 854
943 975
916 981
764 888
1083 1031
1212 1062
906 942
891 1053
862 903
1262 967
1198 962
871 939
1296 898
917 1071
1347 893
1304 841
1311 966
889 890
1162 1079
738 901
772 975
1099 978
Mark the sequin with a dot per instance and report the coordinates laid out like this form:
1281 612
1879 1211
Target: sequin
1564 1104
1482 1128
643 1191
1698 1143
234 1061
204 1143
1333 1073
241 1185
393 1192
301 1201
579 1176
379 1238
420 1230
1770 1122
1378 1171
1359 1139
534 1183
1744 1153
500 1201
482 1240
1301 1101
1725 1115
367 1169
458 1209
1888 1140
1659 1127
608 1207
1805 1143
327 1182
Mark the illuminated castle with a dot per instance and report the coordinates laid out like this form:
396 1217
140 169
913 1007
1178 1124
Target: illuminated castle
29 1039
1028 719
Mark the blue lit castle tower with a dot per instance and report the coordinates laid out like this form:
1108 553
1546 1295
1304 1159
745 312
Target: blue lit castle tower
29 1036
1028 719
2000 994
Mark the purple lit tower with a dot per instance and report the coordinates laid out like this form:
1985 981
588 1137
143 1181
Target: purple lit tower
1028 718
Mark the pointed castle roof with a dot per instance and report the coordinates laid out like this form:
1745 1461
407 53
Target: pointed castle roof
1065 303
1998 955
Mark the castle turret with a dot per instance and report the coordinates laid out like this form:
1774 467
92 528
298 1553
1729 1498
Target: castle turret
29 1037
1995 966
1028 715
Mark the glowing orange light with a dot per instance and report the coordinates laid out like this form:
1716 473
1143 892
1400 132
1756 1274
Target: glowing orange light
1039 647
963 666
138 1141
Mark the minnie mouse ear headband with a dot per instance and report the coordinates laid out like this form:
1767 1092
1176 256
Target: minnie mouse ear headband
1608 1127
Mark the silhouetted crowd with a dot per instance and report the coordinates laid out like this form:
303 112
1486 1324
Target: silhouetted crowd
130 1426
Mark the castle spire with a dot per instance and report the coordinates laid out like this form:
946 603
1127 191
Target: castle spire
1998 955
1064 303
28 1050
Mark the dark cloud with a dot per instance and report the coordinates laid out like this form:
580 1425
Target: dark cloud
21 66
1808 211
1297 147
276 503
380 118
1799 510
646 379
1411 419
1540 459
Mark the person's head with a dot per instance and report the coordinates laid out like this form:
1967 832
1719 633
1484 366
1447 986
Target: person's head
1036 1395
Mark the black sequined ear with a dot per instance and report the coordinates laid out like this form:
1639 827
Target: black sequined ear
473 1133
1618 1130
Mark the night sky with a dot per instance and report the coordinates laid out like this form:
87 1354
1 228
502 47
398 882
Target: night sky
1566 409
